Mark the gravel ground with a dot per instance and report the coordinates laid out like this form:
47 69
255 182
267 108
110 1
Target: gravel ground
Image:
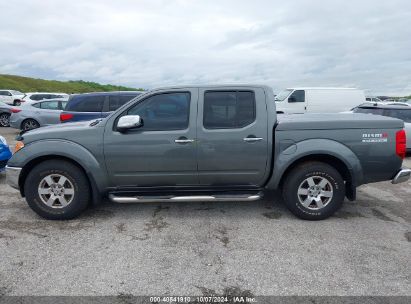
255 248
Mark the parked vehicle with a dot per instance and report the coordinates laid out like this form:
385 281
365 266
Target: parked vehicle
38 96
11 97
206 143
372 99
5 153
90 106
5 112
318 100
396 111
39 114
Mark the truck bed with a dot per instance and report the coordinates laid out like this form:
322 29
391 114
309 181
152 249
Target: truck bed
335 121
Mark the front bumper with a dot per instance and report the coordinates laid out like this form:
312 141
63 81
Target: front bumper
12 176
402 176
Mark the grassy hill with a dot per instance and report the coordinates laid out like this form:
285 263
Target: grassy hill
27 84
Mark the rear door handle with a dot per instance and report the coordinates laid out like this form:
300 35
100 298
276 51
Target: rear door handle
252 139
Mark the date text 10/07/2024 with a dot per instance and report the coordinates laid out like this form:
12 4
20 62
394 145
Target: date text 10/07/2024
203 299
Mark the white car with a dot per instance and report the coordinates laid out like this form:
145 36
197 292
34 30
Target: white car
37 96
11 97
372 99
318 100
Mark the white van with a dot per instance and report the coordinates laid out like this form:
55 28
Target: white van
318 100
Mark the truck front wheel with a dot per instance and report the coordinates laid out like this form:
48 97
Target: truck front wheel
57 190
313 191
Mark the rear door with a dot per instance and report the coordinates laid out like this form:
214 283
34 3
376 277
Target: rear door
50 112
162 152
232 137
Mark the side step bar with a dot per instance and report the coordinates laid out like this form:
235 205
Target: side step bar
188 198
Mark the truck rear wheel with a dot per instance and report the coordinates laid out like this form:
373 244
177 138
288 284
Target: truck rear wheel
57 190
313 191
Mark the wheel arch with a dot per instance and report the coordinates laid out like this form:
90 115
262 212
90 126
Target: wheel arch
95 196
36 152
330 160
327 151
26 119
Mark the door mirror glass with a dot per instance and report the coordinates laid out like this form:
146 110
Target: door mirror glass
129 122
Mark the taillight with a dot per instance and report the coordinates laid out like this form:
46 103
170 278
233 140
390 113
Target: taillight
65 117
15 110
401 144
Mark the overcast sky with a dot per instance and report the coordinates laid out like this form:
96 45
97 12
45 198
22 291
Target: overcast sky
364 44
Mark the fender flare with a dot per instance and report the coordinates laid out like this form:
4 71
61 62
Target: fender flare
315 147
96 173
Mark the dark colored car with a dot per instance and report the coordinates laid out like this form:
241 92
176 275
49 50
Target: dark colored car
88 106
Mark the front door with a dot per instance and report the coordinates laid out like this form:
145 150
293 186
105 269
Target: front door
232 137
162 152
296 102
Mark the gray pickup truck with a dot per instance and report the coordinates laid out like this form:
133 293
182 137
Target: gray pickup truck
206 143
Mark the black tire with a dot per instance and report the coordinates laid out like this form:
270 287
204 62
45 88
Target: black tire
29 124
4 120
298 180
74 175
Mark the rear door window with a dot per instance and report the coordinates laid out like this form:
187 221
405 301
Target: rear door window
84 103
228 109
50 105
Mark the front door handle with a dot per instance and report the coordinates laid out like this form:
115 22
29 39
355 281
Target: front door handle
183 140
252 139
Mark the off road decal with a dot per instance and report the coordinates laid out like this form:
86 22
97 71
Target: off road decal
375 137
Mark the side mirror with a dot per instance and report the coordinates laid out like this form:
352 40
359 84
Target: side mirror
129 122
292 99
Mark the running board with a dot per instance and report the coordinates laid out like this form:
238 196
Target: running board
188 198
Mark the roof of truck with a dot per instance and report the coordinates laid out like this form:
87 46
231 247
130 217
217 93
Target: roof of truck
320 88
213 86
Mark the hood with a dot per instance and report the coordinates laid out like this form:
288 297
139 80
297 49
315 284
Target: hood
334 121
67 131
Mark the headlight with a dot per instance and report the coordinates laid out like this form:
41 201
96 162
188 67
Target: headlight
19 145
3 140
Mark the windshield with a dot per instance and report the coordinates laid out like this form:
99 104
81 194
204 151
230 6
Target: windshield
283 95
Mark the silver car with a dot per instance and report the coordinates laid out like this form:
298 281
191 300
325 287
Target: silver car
5 111
396 111
38 114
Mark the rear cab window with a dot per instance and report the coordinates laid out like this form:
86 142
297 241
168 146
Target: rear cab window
228 109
